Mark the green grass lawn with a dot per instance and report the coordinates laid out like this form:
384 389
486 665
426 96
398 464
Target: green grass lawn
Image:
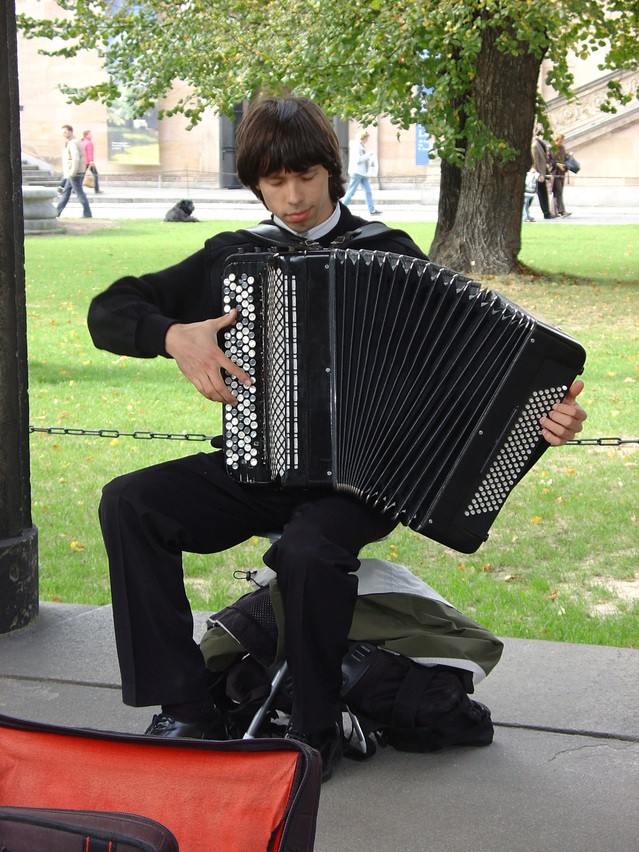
561 559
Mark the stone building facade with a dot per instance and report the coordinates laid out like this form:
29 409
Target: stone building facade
606 145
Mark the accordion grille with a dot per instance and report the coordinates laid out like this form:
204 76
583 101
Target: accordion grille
280 348
510 462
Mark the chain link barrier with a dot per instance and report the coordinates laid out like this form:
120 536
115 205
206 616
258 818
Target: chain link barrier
116 433
197 436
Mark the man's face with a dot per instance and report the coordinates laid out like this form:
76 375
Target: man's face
301 200
67 133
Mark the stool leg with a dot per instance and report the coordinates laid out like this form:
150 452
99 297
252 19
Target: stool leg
359 734
256 721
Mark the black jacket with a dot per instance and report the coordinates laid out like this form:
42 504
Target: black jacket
133 315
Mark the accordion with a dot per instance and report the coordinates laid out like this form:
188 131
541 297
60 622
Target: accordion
391 379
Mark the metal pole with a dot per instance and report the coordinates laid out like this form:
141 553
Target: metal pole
18 536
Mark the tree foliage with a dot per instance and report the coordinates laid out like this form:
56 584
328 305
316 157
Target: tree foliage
413 62
358 58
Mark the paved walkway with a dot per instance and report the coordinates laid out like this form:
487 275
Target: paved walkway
588 206
561 776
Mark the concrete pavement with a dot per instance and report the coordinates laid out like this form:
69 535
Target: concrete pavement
562 773
611 205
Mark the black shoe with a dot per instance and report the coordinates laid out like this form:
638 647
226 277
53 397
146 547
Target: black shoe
166 726
375 212
329 744
549 216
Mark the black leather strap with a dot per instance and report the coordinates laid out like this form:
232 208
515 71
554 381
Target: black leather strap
271 235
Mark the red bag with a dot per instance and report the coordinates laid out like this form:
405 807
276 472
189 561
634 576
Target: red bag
31 829
234 796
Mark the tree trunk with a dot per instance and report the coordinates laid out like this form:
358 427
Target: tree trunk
480 206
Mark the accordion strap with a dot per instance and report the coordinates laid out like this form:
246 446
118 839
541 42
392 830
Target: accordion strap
274 236
372 231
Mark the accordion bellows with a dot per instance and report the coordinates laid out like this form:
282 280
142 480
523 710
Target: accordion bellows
389 378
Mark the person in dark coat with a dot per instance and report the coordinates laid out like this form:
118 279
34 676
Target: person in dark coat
541 161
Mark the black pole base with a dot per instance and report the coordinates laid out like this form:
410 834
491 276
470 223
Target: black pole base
19 601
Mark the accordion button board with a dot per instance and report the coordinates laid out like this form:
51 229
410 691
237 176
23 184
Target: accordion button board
389 378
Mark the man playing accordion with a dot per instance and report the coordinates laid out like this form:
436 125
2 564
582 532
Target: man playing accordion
289 156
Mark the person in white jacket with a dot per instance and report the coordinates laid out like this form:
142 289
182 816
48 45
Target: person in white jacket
359 164
73 169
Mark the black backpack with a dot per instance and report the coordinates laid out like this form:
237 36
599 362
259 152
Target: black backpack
390 699
408 706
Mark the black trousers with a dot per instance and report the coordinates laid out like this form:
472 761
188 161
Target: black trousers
150 517
542 197
558 193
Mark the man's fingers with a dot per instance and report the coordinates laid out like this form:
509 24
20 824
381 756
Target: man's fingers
234 370
225 363
565 419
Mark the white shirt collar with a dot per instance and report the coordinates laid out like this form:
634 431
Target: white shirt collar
319 230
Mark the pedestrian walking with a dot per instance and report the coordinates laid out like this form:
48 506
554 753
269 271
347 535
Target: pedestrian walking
89 157
359 166
541 161
73 169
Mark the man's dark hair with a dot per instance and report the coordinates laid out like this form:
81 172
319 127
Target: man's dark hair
290 135
67 127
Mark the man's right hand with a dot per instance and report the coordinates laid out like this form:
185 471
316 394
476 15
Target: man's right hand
194 348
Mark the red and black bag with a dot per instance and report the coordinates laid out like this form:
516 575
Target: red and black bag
235 795
34 829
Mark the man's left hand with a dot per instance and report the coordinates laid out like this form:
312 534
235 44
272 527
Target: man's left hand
565 419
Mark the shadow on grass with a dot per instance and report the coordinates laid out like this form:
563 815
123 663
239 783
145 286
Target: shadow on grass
527 275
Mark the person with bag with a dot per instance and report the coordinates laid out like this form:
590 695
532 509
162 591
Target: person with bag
91 177
289 156
559 169
73 169
540 158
